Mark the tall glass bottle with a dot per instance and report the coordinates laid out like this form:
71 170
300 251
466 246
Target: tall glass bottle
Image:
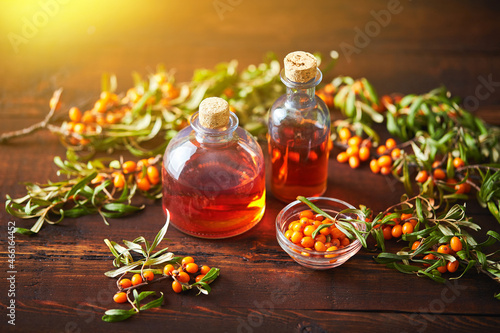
299 132
213 175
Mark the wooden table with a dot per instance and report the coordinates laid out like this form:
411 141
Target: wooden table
60 286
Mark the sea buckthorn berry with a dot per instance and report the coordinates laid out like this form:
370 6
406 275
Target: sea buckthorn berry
336 233
354 141
88 117
308 230
120 297
307 241
442 269
439 174
387 231
296 237
136 279
429 257
445 248
319 246
187 260
148 275
153 175
385 170
422 176
374 166
168 269
199 277
455 244
288 234
111 118
452 266
143 184
100 106
390 143
192 268
436 164
395 153
462 188
384 161
320 238
79 128
342 157
319 217
364 153
176 286
415 245
298 227
204 269
54 103
97 179
344 134
125 283
304 220
354 162
344 242
325 231
119 180
183 277
352 151
407 228
129 166
381 149
406 216
334 242
75 114
397 231
331 249
307 214
458 162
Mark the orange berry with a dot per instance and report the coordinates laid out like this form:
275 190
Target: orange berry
100 106
455 244
395 153
445 248
429 257
88 117
79 128
436 164
187 260
415 245
387 231
319 246
143 184
462 188
407 228
204 269
452 266
390 143
405 216
148 275
344 134
288 234
296 237
153 175
298 227
342 157
354 141
344 242
331 249
308 230
307 214
385 170
120 297
325 231
97 179
320 238
125 283
136 279
307 242
168 269
354 162
199 277
422 176
458 162
53 105
384 161
364 153
381 149
129 166
119 180
183 277
352 151
442 269
111 118
439 174
397 231
75 114
176 286
192 268
374 166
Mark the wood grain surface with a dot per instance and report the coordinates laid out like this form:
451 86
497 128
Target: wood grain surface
60 286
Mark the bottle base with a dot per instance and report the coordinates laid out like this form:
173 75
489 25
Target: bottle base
291 192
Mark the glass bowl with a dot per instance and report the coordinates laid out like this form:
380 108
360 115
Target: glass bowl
311 258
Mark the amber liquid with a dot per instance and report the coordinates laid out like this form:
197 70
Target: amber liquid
298 169
215 197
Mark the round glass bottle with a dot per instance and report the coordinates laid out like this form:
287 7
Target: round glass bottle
213 175
299 132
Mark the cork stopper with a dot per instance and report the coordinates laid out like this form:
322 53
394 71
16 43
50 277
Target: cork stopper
214 112
300 66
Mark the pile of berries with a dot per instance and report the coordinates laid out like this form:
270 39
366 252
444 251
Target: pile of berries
328 239
439 174
452 248
402 225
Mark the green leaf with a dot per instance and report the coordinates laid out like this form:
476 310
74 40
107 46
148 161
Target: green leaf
161 234
81 184
153 304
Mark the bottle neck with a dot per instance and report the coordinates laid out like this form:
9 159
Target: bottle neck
206 135
301 94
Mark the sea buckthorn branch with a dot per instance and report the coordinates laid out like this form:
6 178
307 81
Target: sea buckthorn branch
147 274
90 188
